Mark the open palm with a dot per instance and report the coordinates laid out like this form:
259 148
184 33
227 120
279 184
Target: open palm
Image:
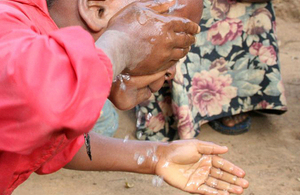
194 166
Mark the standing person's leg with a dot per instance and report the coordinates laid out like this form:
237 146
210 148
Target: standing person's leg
232 125
255 66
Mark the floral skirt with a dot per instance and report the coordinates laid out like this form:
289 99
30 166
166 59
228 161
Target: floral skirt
233 68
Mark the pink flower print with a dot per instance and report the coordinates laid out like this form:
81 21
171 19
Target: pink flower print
220 8
210 91
156 123
263 104
259 22
219 64
224 31
185 122
166 106
255 48
267 55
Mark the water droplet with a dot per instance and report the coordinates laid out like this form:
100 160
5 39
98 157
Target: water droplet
139 135
149 116
214 184
154 158
140 160
149 152
126 76
126 138
166 165
123 86
157 181
221 163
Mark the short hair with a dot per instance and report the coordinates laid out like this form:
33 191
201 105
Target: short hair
49 3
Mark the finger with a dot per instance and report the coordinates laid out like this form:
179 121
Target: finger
143 95
165 65
183 40
143 81
229 178
227 166
161 6
177 53
224 186
210 148
206 190
184 25
168 65
130 97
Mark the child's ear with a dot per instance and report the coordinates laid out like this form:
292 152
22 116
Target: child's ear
92 11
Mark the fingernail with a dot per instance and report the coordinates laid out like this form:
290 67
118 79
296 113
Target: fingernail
245 184
240 190
241 173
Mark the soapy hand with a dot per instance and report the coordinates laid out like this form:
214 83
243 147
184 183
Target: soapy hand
143 40
194 166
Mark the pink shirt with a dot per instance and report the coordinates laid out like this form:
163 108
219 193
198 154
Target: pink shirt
53 84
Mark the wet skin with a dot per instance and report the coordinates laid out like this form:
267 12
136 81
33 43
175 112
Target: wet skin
100 16
156 41
178 162
160 40
139 88
200 174
190 165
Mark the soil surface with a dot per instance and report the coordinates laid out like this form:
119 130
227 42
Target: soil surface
269 152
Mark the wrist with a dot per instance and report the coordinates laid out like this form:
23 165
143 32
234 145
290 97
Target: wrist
110 43
160 152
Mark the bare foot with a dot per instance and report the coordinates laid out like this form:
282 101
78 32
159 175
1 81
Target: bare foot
230 121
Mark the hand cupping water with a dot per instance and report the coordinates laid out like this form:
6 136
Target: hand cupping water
193 166
140 87
143 41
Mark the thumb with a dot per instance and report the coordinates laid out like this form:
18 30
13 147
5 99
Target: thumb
210 148
160 6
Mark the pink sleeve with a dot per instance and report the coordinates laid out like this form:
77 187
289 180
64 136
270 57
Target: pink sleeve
55 83
62 158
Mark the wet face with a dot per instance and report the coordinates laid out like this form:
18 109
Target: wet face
191 9
140 88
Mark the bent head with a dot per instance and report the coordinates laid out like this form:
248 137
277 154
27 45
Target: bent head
94 15
191 9
140 88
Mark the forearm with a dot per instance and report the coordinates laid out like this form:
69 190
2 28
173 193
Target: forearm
110 43
110 154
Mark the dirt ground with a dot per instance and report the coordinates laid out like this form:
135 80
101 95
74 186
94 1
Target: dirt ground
269 152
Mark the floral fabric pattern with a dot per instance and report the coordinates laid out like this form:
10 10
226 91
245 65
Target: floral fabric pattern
233 68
